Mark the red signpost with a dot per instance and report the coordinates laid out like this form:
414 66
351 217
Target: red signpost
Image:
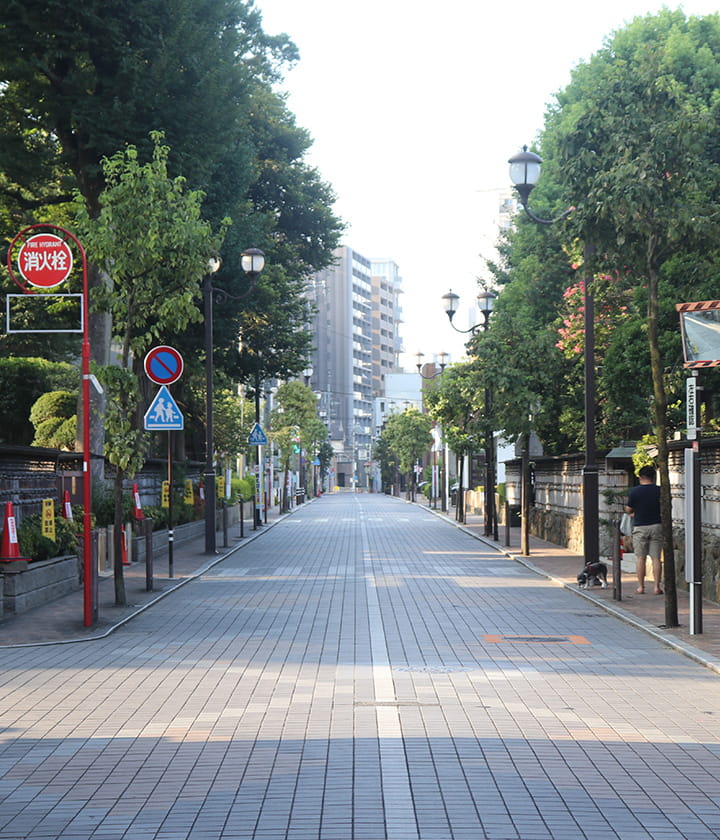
45 260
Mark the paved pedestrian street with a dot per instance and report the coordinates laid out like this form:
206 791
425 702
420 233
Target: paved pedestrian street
363 671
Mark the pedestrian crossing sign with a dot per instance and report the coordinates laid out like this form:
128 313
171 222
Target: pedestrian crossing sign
164 413
257 437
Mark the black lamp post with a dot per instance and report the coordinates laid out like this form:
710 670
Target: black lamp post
442 364
524 173
486 303
253 261
209 474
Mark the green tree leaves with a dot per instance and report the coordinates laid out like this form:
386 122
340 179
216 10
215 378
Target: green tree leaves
153 244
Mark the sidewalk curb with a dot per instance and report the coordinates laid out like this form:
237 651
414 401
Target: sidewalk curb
196 574
691 652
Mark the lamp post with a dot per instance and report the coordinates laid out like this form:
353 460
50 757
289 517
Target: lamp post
486 303
442 363
524 173
209 474
253 261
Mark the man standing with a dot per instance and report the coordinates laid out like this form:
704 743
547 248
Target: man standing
644 505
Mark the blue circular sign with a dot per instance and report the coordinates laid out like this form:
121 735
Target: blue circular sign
163 365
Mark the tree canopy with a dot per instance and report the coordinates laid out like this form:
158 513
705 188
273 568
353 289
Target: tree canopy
632 144
97 82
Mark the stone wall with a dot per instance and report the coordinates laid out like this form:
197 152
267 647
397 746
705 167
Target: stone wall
556 510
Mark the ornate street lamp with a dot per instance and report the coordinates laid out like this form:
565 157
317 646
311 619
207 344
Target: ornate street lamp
486 303
524 173
253 262
442 364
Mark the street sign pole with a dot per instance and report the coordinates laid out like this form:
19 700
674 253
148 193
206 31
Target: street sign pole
693 518
258 439
164 365
171 532
45 261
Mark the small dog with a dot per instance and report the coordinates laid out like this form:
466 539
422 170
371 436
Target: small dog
594 574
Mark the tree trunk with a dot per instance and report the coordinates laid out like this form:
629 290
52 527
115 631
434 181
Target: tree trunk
660 422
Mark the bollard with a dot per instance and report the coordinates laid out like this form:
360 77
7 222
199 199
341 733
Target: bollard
616 556
225 524
149 582
507 523
242 519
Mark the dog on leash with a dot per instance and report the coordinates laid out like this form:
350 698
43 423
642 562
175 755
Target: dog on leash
594 574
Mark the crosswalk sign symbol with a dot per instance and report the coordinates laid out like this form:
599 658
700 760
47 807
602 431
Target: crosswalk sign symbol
164 413
257 437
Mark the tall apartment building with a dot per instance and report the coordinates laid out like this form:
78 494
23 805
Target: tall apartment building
342 361
386 320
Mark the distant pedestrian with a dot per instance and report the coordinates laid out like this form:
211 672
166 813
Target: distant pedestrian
644 504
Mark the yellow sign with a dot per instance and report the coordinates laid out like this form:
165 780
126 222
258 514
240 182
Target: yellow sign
220 481
189 495
165 494
48 519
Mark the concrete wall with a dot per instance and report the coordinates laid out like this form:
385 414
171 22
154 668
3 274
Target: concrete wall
28 585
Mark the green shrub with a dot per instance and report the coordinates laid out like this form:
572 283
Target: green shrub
45 431
244 487
55 420
61 404
34 545
66 435
22 381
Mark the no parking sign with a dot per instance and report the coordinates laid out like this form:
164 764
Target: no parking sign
163 365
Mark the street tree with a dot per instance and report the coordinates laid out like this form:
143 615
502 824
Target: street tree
78 84
408 436
634 138
296 408
456 401
233 420
154 246
312 437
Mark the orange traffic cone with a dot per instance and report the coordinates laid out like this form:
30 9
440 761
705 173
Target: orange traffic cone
67 507
137 506
10 548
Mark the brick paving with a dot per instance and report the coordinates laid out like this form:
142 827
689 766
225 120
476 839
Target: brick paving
363 671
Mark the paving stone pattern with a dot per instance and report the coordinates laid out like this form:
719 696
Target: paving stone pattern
364 671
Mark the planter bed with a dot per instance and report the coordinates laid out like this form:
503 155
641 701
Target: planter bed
28 585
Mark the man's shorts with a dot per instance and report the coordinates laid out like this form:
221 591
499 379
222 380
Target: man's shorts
647 540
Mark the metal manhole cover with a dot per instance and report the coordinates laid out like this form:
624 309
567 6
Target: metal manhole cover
433 669
395 704
572 640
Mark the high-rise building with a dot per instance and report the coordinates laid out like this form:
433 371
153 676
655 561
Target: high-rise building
386 320
342 361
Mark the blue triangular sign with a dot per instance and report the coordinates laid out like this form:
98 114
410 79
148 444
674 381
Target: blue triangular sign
257 437
164 413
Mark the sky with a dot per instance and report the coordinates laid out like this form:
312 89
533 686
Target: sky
415 107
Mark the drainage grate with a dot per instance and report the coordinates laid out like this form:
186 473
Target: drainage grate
572 640
433 669
394 704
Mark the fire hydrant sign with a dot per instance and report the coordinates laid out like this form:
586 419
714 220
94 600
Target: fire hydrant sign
45 260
